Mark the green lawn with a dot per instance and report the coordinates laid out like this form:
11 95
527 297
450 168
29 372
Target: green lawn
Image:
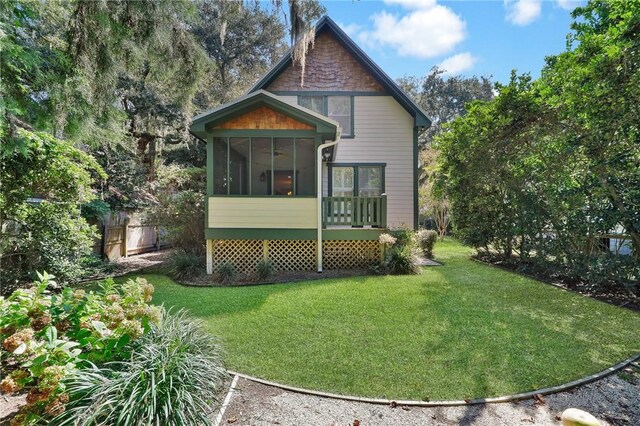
462 330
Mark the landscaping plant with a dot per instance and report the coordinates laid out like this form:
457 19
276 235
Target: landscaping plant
404 236
173 377
226 272
186 265
402 260
45 336
427 239
265 269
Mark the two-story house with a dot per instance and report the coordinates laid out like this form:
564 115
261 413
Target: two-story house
309 171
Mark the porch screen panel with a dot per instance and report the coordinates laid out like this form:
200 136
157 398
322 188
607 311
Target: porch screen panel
260 166
283 167
239 166
220 166
369 181
305 167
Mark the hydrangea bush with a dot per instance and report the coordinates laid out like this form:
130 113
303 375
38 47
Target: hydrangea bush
44 336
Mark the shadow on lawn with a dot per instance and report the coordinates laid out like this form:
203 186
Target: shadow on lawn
204 302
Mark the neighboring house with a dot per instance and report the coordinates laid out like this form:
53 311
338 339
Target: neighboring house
309 173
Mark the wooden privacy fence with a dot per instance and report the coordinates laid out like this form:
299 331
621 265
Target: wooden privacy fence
125 234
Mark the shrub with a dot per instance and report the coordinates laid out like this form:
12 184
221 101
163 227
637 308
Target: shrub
404 236
427 239
181 207
265 269
47 237
174 375
387 240
46 336
402 260
185 265
226 272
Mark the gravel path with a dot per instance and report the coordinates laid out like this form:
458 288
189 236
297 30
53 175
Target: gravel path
614 400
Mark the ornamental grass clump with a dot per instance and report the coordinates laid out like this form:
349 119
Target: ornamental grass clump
173 377
45 336
226 272
402 260
186 265
400 257
265 269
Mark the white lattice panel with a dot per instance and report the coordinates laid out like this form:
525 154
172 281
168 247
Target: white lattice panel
293 255
349 254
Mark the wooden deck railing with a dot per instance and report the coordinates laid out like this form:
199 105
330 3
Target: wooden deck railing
354 211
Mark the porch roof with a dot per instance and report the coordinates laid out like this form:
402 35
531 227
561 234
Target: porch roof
204 123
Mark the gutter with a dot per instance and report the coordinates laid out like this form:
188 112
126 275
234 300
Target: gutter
319 196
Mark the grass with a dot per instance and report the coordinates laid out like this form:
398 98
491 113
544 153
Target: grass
462 330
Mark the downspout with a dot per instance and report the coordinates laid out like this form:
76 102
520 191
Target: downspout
319 195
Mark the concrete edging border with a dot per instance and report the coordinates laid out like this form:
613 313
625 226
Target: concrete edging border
410 403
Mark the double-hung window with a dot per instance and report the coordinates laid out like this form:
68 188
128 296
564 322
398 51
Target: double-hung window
338 108
361 180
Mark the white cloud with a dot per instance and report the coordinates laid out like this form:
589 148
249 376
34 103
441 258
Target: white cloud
413 4
458 63
523 12
350 29
426 31
568 4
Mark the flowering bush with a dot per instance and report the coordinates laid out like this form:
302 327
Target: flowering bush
387 240
45 336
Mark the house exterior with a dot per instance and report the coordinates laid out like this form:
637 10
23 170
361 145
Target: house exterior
309 171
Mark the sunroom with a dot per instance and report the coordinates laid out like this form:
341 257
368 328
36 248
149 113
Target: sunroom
265 162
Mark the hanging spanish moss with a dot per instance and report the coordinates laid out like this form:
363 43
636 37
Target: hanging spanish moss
302 15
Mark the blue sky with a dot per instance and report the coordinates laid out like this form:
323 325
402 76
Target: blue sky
408 37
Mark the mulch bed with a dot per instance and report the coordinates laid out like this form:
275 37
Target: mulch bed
280 277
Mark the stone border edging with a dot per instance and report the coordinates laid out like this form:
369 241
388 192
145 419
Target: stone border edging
410 403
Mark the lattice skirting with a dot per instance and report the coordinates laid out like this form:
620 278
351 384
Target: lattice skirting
294 255
350 254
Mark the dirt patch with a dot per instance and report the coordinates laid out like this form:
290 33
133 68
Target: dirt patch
140 262
9 406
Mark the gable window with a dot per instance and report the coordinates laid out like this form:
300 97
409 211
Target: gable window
361 180
338 108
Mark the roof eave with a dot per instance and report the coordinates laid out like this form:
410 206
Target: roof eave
325 127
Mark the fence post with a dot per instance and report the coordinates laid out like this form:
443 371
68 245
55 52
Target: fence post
125 227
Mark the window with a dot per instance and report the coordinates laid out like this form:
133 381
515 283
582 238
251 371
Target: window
338 108
362 180
314 103
264 166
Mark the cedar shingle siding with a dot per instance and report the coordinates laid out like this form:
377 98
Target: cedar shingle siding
329 67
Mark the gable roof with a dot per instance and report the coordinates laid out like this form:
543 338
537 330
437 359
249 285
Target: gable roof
326 127
327 24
